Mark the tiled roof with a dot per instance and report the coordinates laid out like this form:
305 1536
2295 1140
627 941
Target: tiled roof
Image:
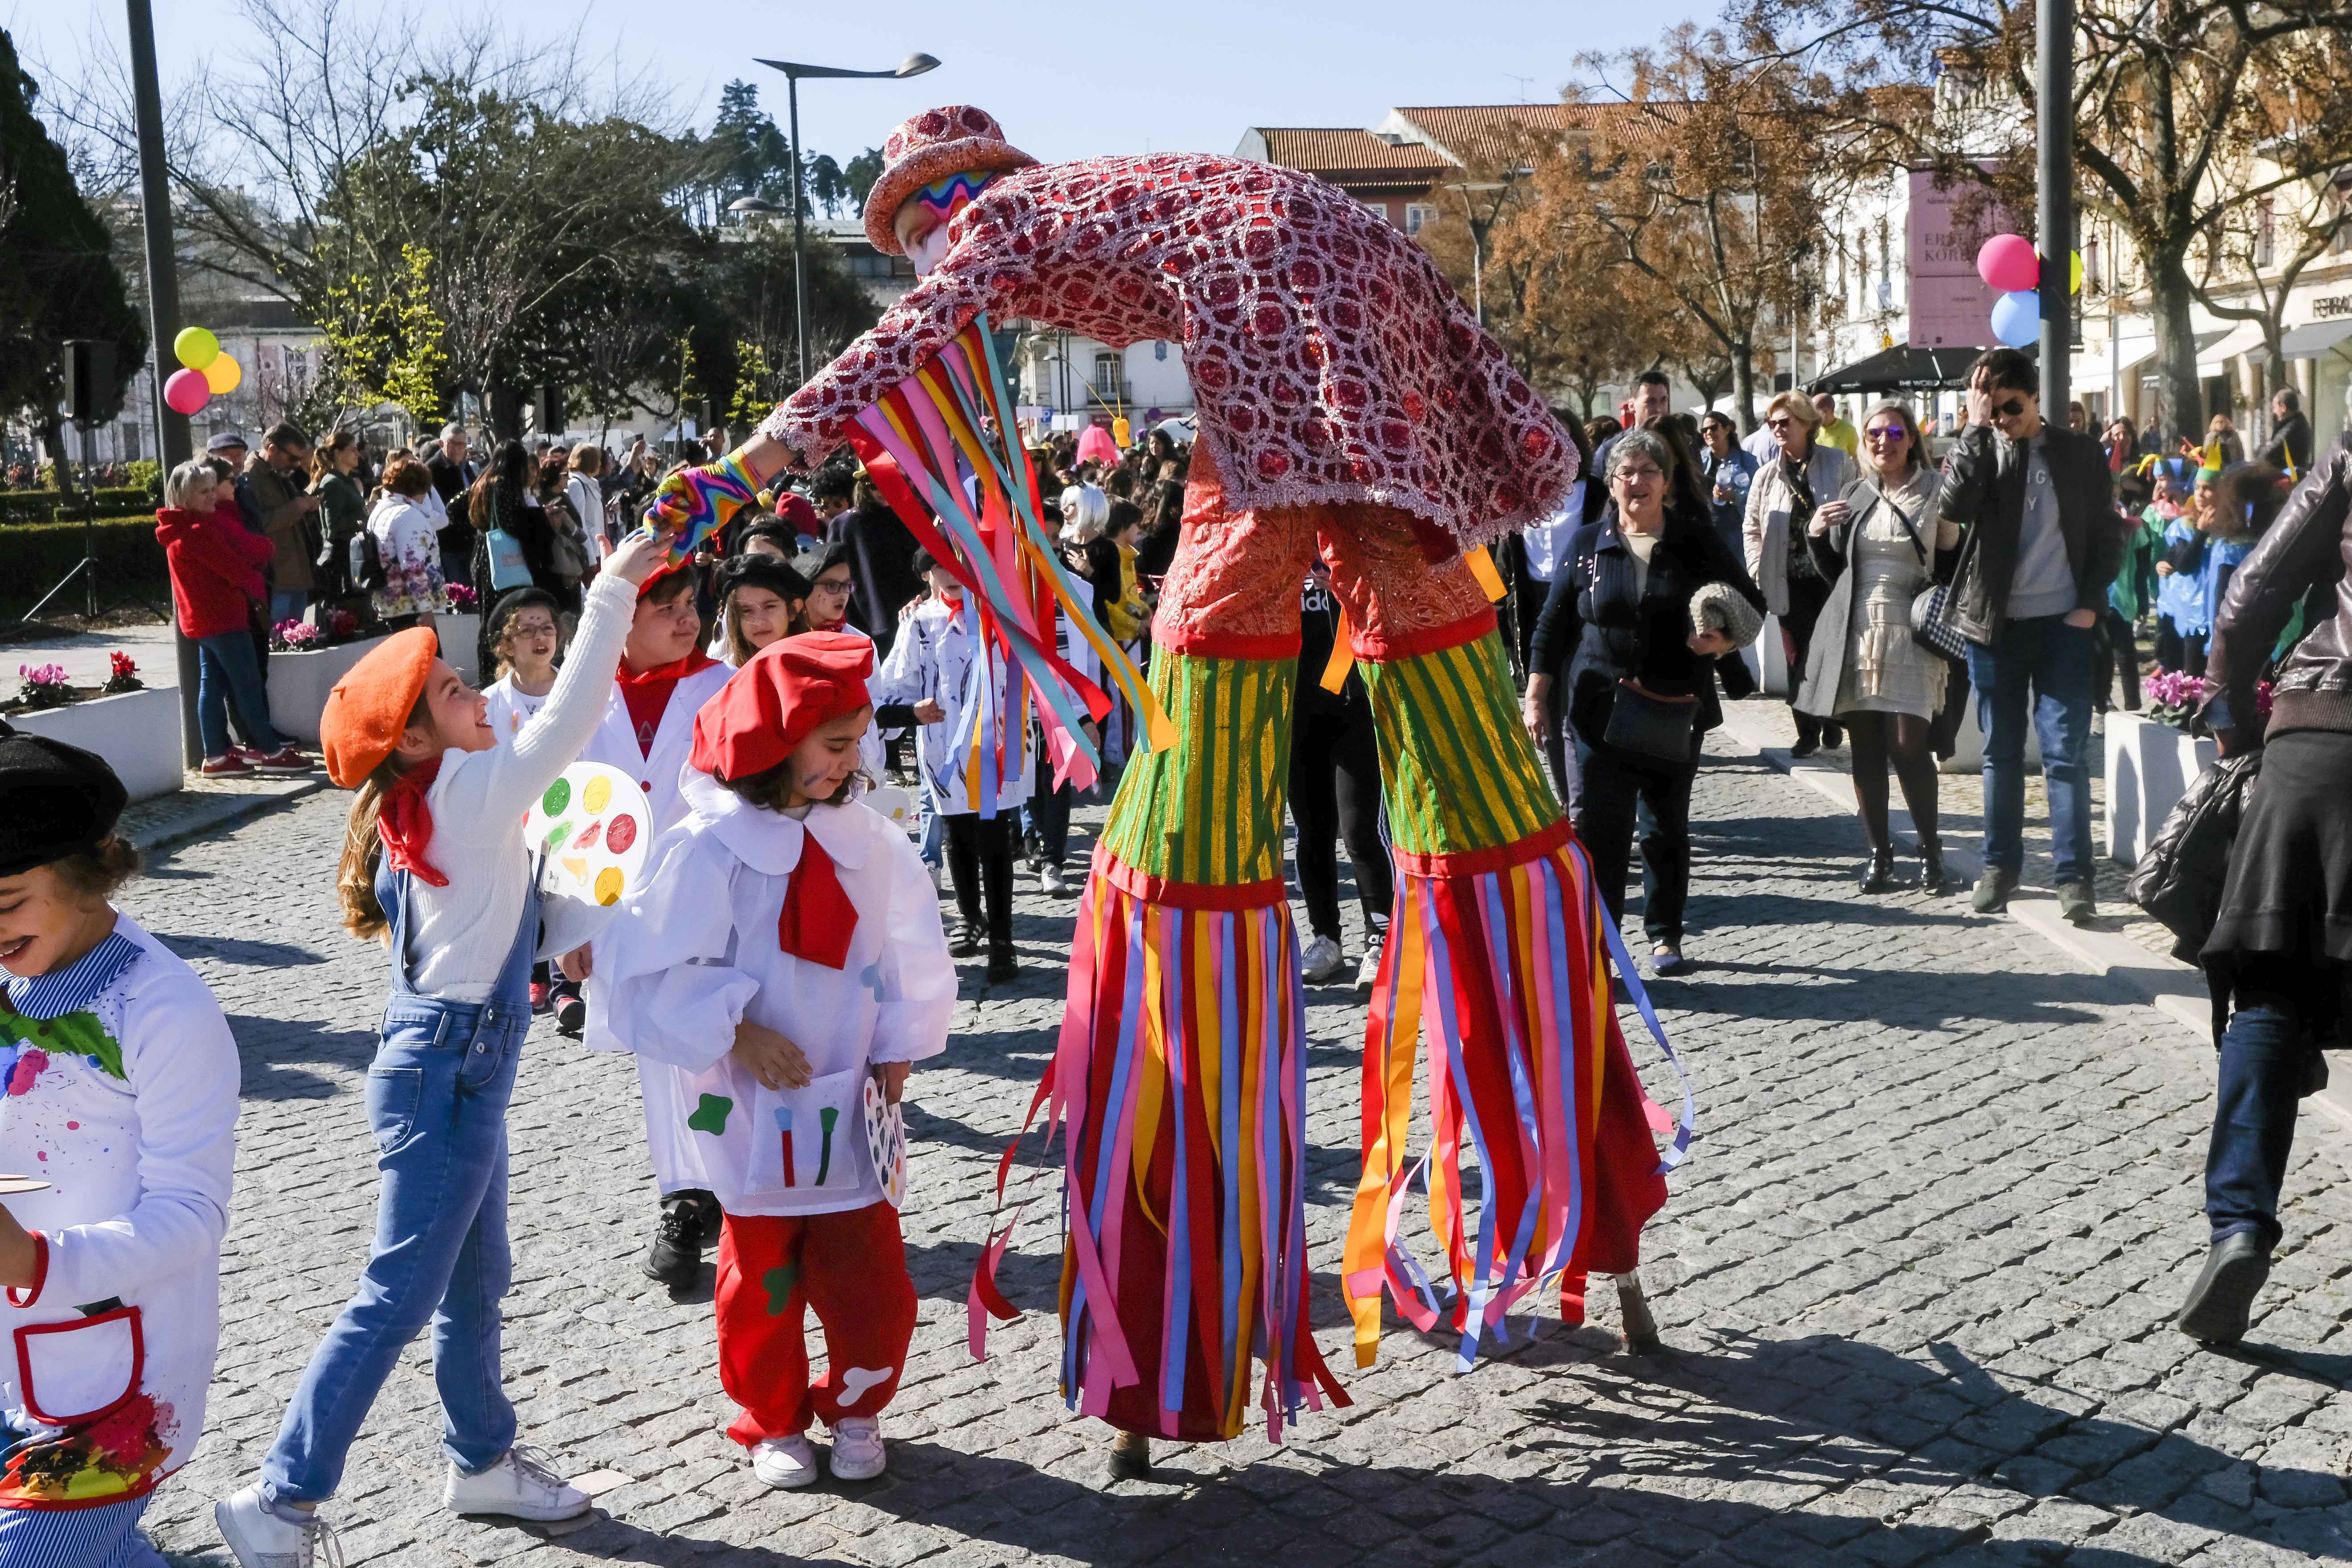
1487 133
1317 148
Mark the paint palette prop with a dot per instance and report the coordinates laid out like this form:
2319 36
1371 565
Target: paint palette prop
593 826
893 803
885 1140
12 1185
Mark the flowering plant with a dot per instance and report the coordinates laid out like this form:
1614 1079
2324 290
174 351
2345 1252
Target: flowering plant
44 686
122 673
461 598
2173 697
292 636
342 625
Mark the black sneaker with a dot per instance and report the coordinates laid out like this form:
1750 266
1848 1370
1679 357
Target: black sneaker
965 943
685 1228
1002 967
571 1011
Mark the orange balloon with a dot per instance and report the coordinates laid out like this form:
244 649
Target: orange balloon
222 374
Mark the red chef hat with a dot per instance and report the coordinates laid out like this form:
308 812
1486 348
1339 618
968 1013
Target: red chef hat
770 706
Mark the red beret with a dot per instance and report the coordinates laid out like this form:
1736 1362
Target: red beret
770 706
370 706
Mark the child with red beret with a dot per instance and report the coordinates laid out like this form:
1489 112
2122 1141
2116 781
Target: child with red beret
647 733
784 948
434 861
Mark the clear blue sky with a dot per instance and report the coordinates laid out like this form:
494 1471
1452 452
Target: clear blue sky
1066 80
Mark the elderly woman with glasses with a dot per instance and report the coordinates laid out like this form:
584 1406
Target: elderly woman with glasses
1641 673
1864 670
1801 477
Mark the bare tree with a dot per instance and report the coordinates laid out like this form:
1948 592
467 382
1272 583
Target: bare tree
2250 260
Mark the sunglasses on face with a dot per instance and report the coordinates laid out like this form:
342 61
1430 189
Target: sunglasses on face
1635 476
2009 410
1887 433
1782 422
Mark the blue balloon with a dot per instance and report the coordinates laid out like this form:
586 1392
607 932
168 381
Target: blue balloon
2017 319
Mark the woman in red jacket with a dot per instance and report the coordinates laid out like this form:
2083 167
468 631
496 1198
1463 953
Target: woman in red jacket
216 562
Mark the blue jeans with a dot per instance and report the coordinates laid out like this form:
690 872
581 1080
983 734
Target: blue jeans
104 1537
436 1102
2264 1060
2059 663
228 672
286 606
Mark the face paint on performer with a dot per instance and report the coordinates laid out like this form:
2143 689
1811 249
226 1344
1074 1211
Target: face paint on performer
922 223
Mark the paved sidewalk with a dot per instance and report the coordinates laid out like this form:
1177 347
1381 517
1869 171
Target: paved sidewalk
1913 1281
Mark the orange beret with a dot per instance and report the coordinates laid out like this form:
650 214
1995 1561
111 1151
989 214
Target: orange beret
370 706
770 706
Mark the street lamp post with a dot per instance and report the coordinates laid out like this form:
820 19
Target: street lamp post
2054 23
913 64
1478 244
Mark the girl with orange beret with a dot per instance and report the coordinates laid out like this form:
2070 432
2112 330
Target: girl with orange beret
434 862
783 903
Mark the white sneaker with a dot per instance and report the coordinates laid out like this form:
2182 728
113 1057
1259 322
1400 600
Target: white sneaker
857 1454
1322 963
1368 973
785 1462
257 1538
522 1485
1050 882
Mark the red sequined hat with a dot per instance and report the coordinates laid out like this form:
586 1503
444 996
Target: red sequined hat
952 139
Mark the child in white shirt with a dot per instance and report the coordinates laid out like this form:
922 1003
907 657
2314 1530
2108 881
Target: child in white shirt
525 637
118 1091
784 948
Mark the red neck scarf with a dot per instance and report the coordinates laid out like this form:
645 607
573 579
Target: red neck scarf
646 693
818 917
404 822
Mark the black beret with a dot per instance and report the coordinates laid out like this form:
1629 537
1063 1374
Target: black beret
56 800
753 570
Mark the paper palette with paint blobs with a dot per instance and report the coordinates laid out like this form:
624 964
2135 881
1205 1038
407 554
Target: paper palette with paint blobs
594 825
886 1141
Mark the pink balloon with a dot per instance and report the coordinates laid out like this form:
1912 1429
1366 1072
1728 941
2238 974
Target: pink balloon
2008 263
186 391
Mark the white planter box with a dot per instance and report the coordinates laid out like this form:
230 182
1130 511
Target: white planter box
138 734
2149 767
1968 744
299 682
459 635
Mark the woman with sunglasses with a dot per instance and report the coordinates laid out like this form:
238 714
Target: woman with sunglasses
1864 670
1801 479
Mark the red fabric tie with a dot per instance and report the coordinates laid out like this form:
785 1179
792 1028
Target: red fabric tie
404 822
817 918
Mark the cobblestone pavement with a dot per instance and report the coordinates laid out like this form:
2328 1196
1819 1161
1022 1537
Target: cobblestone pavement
1913 1282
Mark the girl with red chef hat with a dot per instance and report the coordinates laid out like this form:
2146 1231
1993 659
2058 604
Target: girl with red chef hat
784 949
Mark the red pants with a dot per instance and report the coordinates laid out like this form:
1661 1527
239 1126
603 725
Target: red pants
852 1268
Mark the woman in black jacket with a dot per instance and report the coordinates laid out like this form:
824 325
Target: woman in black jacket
1619 615
2280 951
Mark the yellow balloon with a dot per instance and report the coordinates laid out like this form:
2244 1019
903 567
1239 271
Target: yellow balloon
1120 431
223 374
196 347
2075 274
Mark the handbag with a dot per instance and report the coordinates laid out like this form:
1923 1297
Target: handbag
2181 879
1658 728
508 567
1932 623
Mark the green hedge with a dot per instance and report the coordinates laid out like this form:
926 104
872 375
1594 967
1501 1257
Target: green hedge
44 506
35 554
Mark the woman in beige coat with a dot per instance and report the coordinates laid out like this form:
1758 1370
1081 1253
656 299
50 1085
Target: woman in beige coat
1865 671
1799 482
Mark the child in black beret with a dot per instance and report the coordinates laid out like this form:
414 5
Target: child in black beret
118 1111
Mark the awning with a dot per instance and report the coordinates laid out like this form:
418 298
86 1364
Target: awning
2213 358
1901 368
2311 341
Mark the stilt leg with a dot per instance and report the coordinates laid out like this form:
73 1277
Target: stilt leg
1641 1327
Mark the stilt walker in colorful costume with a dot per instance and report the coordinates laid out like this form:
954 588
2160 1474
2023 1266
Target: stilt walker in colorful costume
1350 407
